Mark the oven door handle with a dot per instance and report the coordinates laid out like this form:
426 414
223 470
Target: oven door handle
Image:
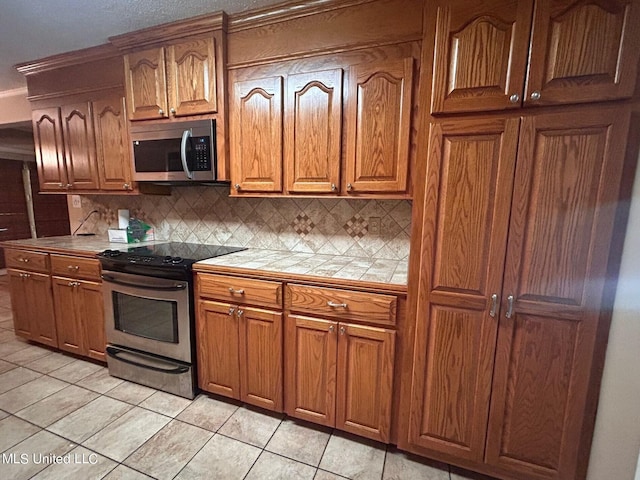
113 353
170 288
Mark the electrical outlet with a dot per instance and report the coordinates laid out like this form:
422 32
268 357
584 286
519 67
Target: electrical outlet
76 201
374 225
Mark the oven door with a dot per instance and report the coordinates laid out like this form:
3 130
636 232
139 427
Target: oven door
148 314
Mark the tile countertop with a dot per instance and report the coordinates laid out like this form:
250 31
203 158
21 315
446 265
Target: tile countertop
70 244
336 267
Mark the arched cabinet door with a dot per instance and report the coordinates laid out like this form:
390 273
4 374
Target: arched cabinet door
47 136
79 146
145 82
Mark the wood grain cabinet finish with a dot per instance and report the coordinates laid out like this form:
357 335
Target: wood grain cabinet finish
515 245
27 260
146 84
49 147
79 146
340 375
313 132
32 305
378 123
496 55
256 136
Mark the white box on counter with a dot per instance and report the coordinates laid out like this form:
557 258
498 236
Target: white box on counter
118 236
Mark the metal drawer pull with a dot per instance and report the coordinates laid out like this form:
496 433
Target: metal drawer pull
494 305
233 290
335 305
509 306
330 328
24 260
74 267
342 330
240 312
231 310
74 284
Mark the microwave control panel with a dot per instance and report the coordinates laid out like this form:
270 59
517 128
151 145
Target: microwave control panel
201 154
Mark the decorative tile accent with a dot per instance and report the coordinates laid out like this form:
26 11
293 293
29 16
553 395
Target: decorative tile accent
302 225
356 226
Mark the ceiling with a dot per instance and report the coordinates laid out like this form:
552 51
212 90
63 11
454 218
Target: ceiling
33 29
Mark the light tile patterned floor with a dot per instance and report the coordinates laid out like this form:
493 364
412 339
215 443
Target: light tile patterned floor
52 404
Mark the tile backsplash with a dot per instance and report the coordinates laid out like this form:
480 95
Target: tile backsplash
353 227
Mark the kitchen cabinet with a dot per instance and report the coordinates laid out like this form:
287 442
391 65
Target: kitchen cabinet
338 373
79 306
515 242
239 347
173 80
498 55
31 300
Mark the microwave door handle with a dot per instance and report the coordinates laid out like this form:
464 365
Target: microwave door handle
183 154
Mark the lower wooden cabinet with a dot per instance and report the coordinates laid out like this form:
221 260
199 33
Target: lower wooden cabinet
340 374
79 313
32 306
240 353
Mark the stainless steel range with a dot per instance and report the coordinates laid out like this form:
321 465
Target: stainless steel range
149 314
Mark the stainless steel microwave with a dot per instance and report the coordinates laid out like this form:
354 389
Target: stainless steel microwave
175 152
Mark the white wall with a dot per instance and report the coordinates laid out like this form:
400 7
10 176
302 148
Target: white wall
616 441
14 107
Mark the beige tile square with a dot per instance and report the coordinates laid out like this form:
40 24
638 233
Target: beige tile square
122 437
122 472
12 346
221 457
93 417
7 324
353 458
251 426
29 393
50 363
13 431
274 467
130 392
100 381
27 355
6 336
208 413
84 464
169 450
37 448
324 475
54 407
399 466
76 370
3 414
166 403
300 441
6 366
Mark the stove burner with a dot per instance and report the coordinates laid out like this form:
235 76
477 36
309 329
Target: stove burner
112 253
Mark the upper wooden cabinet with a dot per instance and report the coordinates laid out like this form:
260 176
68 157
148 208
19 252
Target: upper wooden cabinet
499 54
47 136
176 80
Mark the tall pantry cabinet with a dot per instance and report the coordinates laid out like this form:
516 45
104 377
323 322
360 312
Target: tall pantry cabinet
514 224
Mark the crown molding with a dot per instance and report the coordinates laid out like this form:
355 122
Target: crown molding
68 59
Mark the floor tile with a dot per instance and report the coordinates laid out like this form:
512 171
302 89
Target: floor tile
7 323
50 363
300 441
12 346
6 336
54 407
100 381
251 426
93 417
169 450
400 466
221 457
84 464
29 354
122 437
13 431
274 467
29 393
166 403
122 472
38 448
6 366
16 377
462 474
3 414
324 475
208 413
130 392
352 458
75 371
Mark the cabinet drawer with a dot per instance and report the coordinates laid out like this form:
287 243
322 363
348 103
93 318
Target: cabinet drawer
75 267
240 290
26 260
342 304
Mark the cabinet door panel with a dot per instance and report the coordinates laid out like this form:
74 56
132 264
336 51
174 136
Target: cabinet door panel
313 131
583 51
20 303
41 309
365 372
80 146
91 316
311 349
467 202
566 185
378 126
47 136
256 132
113 145
480 54
261 357
145 81
217 338
191 77
68 324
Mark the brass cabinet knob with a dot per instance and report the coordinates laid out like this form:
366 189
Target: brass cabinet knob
333 187
160 111
349 187
237 186
126 186
172 111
